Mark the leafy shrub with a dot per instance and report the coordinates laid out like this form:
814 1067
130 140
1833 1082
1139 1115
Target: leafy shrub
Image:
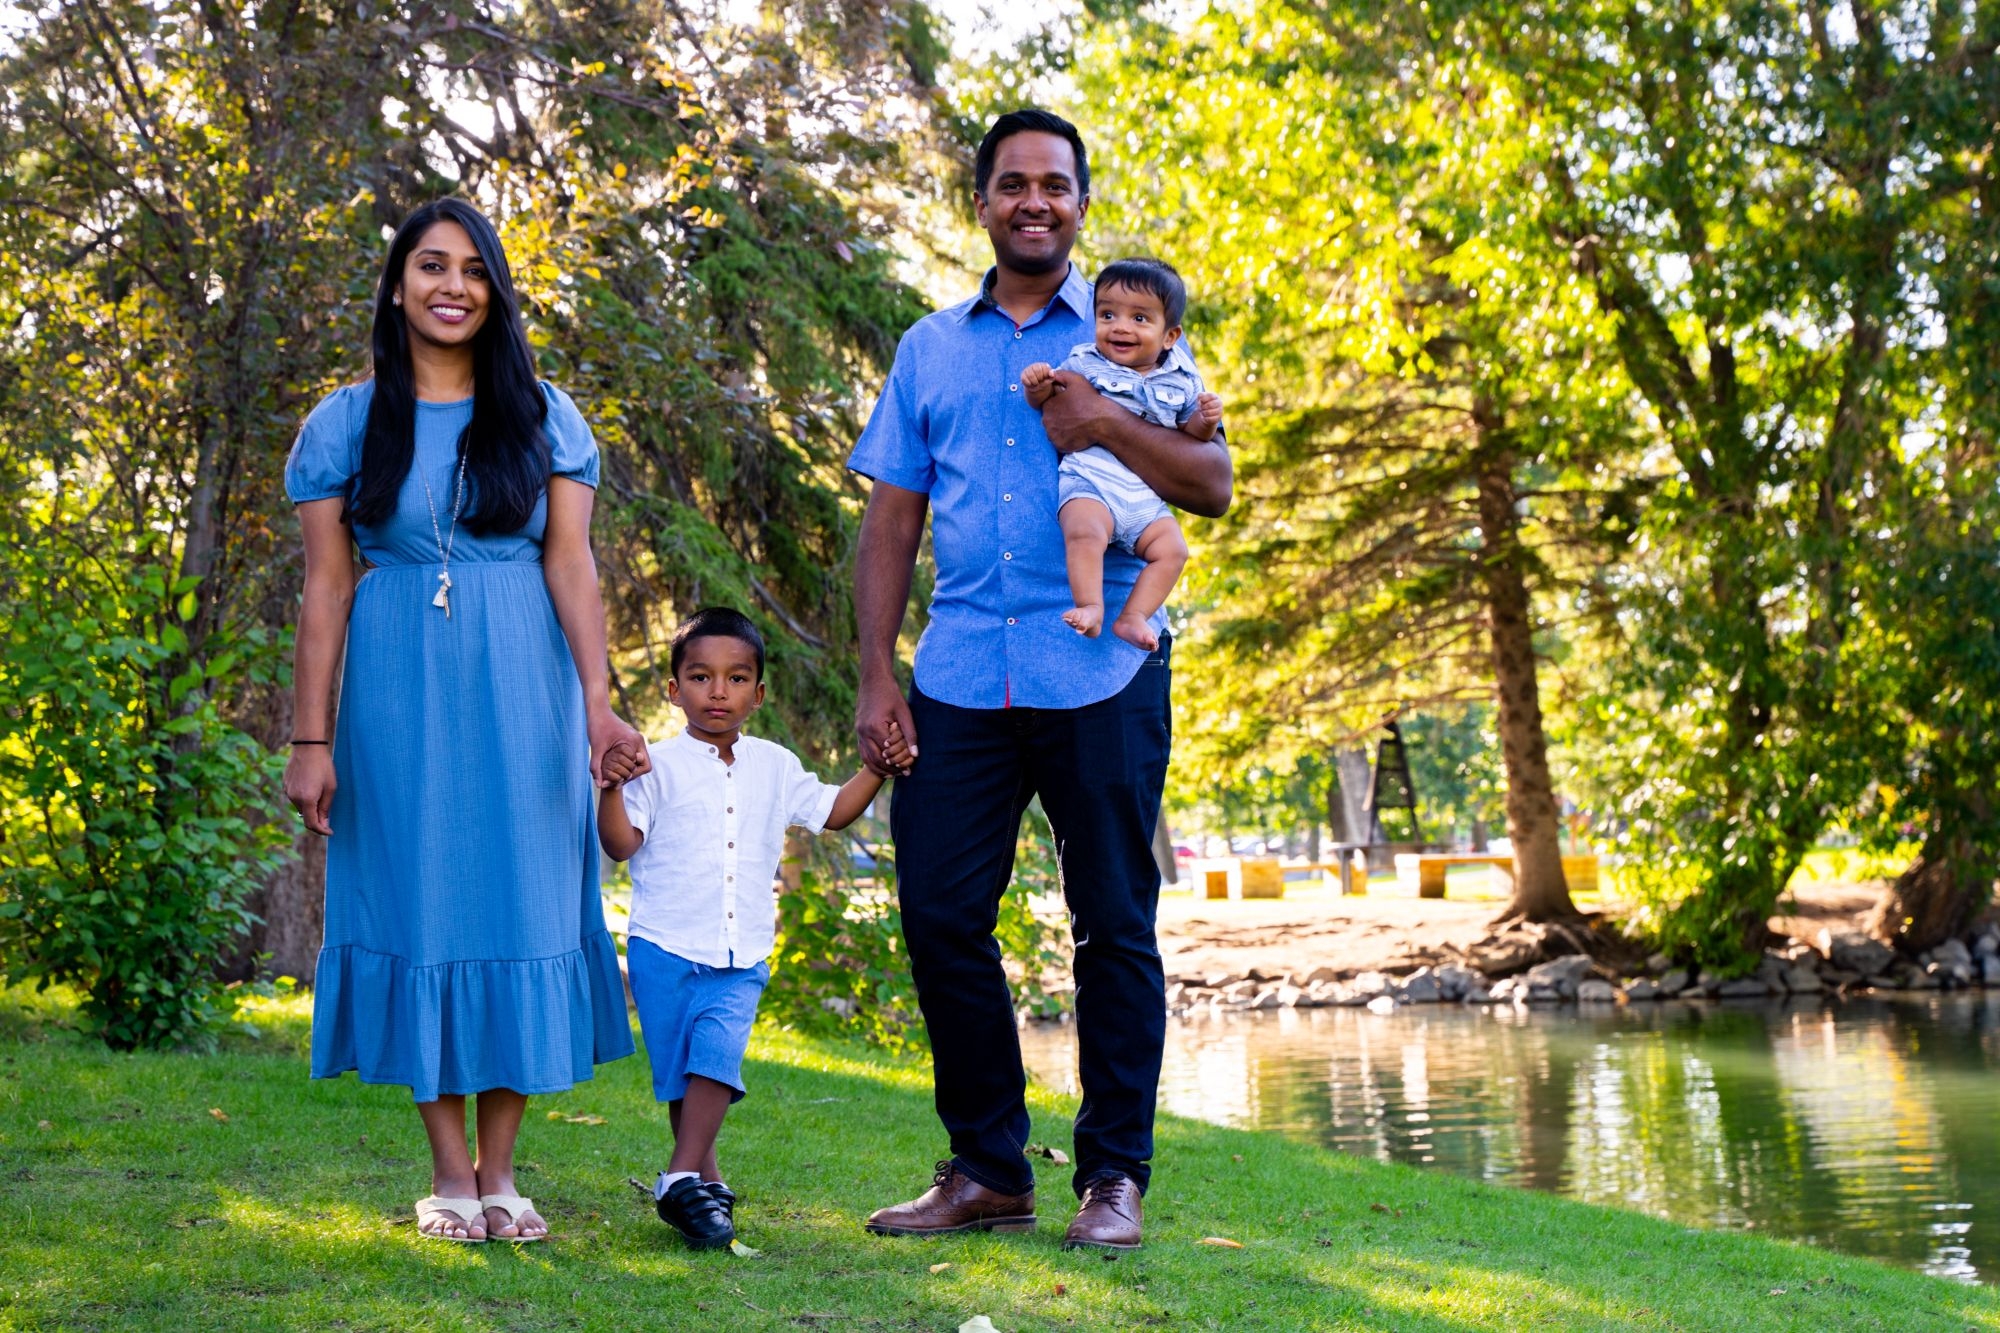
134 820
841 966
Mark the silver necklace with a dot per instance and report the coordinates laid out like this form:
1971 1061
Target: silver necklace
445 544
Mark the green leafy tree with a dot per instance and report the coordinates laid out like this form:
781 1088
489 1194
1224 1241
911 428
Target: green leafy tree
1365 239
695 201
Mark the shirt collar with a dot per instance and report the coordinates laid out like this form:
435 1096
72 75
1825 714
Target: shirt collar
689 739
1074 293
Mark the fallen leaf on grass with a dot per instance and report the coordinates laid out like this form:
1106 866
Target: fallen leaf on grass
219 1114
742 1251
580 1118
44 1126
1222 1241
1777 1291
1236 1157
1061 1289
1384 1208
1056 1155
939 1268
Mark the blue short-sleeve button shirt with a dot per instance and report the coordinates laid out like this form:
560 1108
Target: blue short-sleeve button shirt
952 423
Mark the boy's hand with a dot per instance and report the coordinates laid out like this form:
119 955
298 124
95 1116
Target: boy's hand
1039 382
897 751
1206 418
619 766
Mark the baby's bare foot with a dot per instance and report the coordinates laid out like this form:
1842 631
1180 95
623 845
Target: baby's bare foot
1085 620
1135 631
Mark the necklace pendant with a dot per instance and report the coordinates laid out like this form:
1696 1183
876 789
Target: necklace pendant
443 597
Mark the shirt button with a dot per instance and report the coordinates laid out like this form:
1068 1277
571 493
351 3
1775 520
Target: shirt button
732 916
1010 620
1013 388
1010 444
1008 496
732 844
731 879
730 811
1006 555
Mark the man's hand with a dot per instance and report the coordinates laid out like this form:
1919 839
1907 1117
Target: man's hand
1073 410
882 723
1206 418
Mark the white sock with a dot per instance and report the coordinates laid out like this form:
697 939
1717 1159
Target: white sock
667 1179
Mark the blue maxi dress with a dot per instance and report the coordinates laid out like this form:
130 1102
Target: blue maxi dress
465 944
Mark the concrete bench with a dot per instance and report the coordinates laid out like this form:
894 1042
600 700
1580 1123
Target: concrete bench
1427 869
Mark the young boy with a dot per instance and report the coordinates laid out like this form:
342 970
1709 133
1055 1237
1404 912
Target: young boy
704 831
1101 502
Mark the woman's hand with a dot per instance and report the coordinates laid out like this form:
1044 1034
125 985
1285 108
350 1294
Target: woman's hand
309 784
608 732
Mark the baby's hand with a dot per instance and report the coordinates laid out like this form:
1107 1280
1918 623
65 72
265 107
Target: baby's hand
1039 383
618 766
1206 417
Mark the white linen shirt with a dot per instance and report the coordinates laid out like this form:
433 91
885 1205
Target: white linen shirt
715 832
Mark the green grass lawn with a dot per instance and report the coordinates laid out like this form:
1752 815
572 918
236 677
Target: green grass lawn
131 1202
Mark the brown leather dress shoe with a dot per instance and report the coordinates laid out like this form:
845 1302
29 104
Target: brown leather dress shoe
1110 1217
955 1202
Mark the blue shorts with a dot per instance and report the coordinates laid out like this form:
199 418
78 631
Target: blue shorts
696 1018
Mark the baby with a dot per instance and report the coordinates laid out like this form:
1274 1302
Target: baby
1100 501
704 831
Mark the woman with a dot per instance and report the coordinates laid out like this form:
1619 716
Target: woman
465 944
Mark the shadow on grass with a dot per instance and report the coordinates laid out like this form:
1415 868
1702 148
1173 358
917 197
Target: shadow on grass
229 1191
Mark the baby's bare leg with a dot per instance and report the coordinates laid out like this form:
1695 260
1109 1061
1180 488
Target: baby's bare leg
1165 552
1087 528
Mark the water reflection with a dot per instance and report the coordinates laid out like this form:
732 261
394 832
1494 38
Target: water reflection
1871 1126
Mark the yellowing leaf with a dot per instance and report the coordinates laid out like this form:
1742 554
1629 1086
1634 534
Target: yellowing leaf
1221 1242
219 1114
939 1268
742 1251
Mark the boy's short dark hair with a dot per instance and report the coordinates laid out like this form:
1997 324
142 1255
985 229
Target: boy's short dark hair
715 622
1028 120
1155 277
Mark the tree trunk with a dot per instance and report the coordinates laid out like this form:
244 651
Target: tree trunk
1540 891
1347 798
1939 895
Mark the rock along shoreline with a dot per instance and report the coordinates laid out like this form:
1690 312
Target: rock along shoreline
1517 968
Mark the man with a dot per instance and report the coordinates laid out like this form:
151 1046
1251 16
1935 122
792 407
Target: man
1010 703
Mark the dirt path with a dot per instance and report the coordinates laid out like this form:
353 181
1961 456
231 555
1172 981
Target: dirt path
1312 927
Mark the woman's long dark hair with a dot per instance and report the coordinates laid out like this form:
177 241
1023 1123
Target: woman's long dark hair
506 451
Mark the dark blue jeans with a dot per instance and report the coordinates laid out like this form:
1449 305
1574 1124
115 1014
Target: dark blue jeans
1099 771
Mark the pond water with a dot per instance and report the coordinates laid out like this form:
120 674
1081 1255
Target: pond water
1870 1126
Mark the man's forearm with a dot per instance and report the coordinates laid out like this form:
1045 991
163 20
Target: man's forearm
884 561
1190 474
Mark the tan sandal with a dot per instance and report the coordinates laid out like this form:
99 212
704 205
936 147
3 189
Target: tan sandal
465 1212
513 1205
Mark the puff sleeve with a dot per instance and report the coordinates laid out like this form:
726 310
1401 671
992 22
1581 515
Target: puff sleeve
327 453
572 450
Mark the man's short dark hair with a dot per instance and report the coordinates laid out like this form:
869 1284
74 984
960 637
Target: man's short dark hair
1155 277
715 622
1028 120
